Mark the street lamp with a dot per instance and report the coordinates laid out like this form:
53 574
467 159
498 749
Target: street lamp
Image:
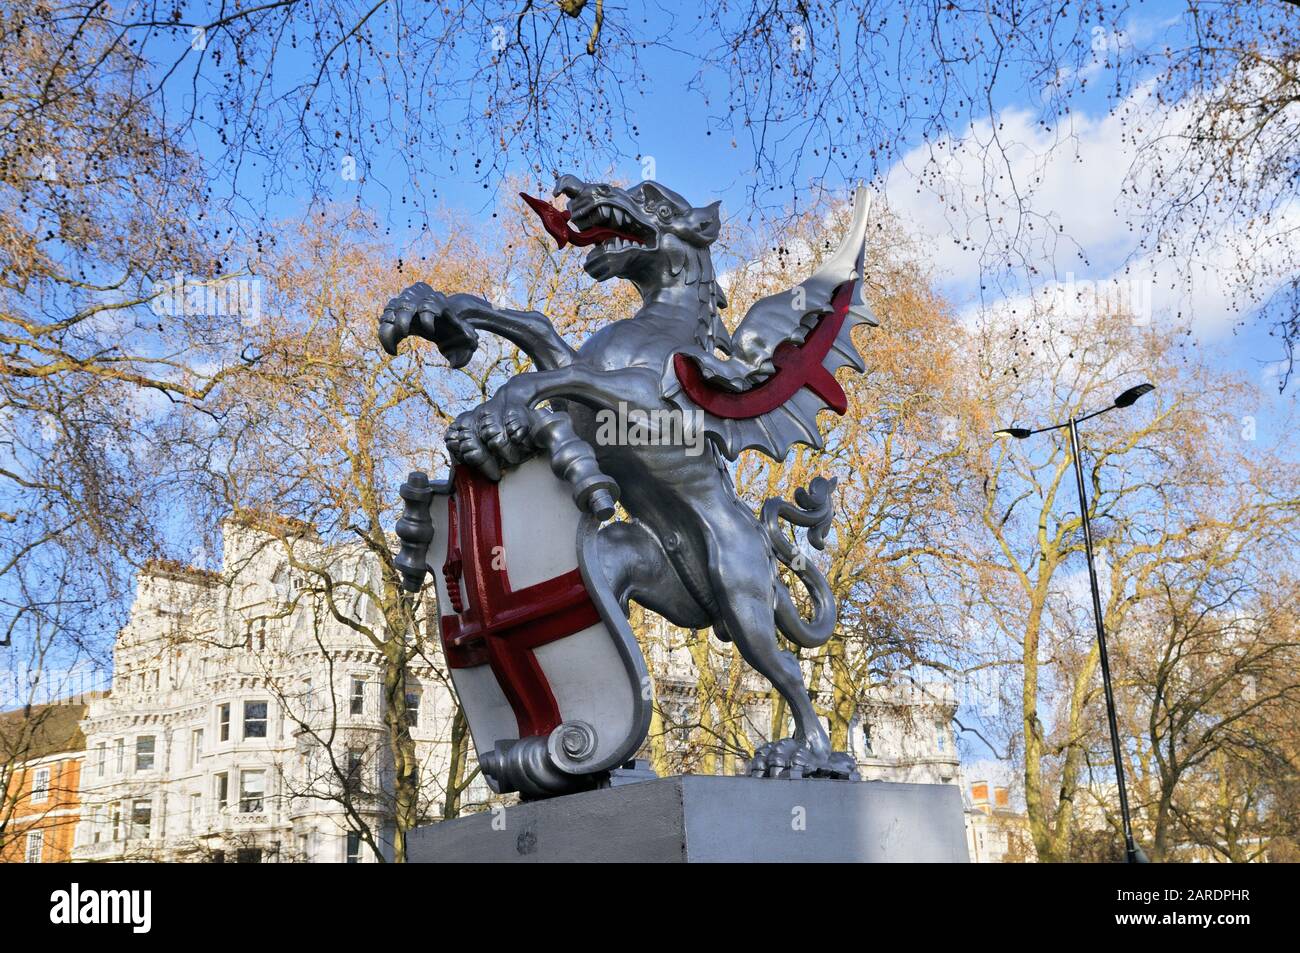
1133 853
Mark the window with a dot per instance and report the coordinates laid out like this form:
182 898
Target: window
252 791
356 765
97 825
144 760
248 855
221 790
101 758
866 736
223 721
141 819
354 847
196 812
196 746
304 848
40 785
940 735
254 719
121 754
413 709
35 846
116 815
358 703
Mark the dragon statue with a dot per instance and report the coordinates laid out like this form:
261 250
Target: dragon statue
689 550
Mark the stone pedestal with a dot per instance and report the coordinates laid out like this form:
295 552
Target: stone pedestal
700 819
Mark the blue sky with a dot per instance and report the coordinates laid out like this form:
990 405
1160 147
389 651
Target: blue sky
1079 166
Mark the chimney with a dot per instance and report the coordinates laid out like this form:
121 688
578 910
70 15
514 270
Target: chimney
979 796
1001 799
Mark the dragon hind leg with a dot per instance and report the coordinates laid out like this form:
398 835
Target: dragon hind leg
744 583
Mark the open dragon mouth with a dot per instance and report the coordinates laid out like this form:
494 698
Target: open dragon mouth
604 224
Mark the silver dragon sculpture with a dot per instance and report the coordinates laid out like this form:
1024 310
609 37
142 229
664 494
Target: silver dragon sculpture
691 551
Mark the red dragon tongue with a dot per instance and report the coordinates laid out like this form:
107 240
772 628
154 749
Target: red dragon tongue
554 220
556 223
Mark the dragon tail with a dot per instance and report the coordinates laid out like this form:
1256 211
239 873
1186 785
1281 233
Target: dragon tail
812 509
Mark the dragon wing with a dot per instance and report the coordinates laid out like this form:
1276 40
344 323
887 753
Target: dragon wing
784 354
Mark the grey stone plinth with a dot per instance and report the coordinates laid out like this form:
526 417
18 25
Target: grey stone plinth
700 818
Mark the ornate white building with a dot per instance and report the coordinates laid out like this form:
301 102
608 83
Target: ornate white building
245 721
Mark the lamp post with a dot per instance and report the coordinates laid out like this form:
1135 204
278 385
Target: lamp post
1132 852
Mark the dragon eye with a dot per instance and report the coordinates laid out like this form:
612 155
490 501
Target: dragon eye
665 212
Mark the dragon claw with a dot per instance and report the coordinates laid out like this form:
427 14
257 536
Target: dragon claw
434 316
517 426
494 435
463 443
792 758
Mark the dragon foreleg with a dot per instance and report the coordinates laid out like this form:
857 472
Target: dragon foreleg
452 321
530 331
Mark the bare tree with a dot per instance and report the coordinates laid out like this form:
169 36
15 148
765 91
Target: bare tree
1215 675
96 205
1172 489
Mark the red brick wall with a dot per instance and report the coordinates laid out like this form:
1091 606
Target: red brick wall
57 815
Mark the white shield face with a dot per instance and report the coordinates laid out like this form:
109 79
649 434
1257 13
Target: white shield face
527 646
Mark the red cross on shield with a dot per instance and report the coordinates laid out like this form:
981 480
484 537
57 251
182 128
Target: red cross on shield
529 644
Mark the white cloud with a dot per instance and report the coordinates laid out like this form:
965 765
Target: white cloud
1058 198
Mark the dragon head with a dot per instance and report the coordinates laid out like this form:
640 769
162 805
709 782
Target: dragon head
647 234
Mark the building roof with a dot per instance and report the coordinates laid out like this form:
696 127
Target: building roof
174 569
272 524
38 731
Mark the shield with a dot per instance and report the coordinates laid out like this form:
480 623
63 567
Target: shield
547 669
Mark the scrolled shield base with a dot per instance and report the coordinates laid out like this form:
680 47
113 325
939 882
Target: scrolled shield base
528 766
